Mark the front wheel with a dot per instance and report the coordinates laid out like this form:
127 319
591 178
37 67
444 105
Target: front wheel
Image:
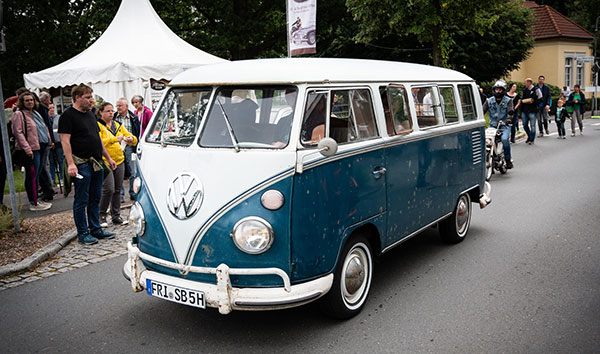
489 165
352 280
455 228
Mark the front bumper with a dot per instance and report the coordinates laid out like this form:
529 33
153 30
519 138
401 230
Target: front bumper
222 295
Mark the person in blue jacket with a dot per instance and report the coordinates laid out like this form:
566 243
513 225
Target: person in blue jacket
501 108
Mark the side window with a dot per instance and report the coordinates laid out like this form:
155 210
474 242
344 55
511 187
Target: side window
449 104
427 106
397 113
466 100
351 116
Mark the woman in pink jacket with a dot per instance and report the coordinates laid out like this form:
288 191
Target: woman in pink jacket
143 112
28 128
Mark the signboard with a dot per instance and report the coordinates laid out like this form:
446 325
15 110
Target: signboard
302 26
157 88
592 89
585 59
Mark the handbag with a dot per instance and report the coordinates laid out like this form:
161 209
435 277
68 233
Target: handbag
19 157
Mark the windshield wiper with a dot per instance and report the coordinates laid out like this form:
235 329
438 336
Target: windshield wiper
236 145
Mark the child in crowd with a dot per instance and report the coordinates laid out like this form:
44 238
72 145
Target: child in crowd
561 116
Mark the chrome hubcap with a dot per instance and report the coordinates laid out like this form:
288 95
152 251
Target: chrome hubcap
355 271
462 215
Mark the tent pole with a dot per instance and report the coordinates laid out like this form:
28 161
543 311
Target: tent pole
7 160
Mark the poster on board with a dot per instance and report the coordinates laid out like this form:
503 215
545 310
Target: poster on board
302 26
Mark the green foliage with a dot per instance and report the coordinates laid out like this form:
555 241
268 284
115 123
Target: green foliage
432 21
19 182
498 49
39 34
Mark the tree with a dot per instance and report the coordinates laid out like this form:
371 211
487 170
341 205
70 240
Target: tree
431 21
499 49
39 34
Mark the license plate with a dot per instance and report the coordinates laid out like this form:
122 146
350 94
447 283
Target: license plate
175 293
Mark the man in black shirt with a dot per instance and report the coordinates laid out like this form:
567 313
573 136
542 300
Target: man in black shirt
529 109
83 148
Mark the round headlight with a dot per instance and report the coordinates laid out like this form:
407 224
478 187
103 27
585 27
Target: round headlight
136 216
137 184
252 235
272 199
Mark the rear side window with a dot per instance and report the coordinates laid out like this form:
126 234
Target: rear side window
427 106
466 100
395 106
344 115
449 104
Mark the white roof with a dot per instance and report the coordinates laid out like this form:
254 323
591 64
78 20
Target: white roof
304 70
136 45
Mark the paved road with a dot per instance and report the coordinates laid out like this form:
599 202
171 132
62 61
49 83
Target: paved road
527 280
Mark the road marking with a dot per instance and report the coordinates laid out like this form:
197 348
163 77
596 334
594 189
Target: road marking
595 124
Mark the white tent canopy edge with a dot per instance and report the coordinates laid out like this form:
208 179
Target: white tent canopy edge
137 46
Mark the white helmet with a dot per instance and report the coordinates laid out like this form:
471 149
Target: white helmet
501 84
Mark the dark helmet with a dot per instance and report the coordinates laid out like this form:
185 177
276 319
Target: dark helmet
501 84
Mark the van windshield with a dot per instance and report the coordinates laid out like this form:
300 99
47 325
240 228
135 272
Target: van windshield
179 117
250 117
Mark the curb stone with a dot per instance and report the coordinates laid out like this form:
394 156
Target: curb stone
41 255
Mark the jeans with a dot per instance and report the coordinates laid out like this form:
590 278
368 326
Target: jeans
31 182
111 192
88 191
505 142
543 119
515 127
56 157
130 171
576 116
561 128
529 124
42 174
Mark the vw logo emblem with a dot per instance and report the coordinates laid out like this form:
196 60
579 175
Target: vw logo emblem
185 195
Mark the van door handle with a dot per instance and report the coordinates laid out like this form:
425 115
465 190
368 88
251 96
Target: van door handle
378 172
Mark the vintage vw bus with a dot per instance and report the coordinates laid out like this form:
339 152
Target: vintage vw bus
267 184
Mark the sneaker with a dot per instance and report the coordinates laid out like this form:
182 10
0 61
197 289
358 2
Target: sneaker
103 235
547 132
39 206
119 221
86 239
541 135
581 132
572 134
103 222
509 165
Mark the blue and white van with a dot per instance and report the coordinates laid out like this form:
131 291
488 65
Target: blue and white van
268 184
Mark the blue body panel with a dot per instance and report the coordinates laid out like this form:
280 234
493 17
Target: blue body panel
216 246
327 200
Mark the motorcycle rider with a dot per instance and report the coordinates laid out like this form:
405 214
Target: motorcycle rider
500 108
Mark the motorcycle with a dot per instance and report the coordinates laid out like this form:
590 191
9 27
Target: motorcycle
494 151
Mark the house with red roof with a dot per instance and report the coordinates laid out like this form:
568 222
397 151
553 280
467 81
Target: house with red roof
559 42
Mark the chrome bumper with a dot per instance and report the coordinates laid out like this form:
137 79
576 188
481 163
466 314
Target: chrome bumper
222 295
485 199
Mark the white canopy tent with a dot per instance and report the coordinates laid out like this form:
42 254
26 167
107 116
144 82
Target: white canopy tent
137 46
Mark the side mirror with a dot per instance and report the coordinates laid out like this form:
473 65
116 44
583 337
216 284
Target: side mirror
327 147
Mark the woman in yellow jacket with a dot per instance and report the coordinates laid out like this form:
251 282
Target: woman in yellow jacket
113 134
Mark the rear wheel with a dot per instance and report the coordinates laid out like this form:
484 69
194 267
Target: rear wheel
455 228
352 280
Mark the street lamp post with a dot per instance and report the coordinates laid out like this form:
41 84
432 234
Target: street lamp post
595 67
